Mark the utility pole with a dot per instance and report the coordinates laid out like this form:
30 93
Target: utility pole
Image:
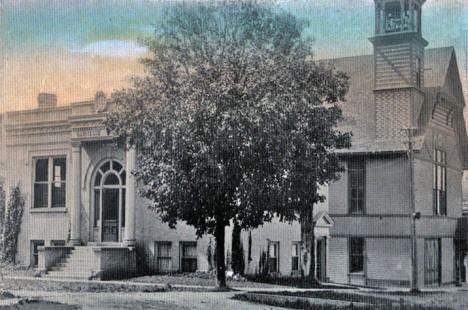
412 213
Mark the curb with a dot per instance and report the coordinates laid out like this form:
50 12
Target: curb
301 302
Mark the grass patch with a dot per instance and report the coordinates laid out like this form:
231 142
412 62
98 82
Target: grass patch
77 286
333 295
330 299
298 282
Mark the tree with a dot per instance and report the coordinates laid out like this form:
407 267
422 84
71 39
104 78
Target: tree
234 121
237 250
12 222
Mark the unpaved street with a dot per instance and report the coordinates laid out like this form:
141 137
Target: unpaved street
160 301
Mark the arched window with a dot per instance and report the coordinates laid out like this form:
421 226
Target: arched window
109 199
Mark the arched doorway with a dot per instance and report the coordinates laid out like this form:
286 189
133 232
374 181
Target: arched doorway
109 201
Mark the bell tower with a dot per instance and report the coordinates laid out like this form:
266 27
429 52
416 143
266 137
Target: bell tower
398 66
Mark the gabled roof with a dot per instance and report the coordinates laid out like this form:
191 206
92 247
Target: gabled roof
323 219
359 108
437 61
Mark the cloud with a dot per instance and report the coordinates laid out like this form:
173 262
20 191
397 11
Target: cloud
112 48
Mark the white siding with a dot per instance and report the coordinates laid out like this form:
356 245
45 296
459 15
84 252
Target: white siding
337 265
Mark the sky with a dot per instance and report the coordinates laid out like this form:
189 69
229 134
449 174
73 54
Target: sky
74 48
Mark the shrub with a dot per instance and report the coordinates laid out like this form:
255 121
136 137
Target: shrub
12 226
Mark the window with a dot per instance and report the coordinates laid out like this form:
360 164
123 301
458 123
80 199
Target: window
34 251
356 255
357 184
163 257
439 193
188 260
50 182
273 256
109 176
393 20
57 242
418 72
295 250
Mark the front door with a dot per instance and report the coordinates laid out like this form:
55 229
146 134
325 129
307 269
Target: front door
110 215
322 259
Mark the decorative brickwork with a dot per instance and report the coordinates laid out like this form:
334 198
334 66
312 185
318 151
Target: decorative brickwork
393 113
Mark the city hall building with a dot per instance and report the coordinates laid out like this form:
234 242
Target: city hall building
83 216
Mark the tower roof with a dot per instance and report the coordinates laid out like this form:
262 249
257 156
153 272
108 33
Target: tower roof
359 108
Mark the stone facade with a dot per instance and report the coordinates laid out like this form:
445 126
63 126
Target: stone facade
76 134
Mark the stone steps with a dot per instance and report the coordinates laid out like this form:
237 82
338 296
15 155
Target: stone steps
75 265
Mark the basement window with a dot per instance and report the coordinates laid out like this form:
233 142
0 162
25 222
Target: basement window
34 252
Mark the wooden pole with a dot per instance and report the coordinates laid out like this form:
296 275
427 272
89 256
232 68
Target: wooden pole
412 214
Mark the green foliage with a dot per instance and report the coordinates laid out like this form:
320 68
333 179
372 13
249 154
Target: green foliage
234 120
2 211
237 250
11 230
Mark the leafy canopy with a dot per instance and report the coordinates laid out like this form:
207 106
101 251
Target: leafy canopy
234 119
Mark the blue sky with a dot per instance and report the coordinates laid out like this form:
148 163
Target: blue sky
76 47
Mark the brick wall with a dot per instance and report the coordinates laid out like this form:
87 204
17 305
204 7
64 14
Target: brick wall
393 113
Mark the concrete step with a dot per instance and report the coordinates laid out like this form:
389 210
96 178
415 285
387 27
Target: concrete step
75 265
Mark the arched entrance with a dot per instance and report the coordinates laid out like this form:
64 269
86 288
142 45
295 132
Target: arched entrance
109 201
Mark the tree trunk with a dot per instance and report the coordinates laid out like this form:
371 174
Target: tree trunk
308 247
220 263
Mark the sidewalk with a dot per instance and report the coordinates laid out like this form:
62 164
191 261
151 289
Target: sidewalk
162 286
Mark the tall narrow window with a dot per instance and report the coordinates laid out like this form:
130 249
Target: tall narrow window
356 255
295 250
357 185
50 182
188 259
393 18
164 257
418 72
439 193
273 256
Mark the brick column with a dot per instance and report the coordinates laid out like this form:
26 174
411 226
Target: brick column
75 234
129 235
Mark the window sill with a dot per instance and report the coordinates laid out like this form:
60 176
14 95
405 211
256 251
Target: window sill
48 210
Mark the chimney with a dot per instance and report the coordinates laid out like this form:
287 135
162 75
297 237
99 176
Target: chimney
45 100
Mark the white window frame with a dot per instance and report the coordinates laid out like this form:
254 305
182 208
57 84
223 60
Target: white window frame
275 244
158 255
296 244
50 181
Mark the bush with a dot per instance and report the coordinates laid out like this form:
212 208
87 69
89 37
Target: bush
237 250
2 213
12 226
